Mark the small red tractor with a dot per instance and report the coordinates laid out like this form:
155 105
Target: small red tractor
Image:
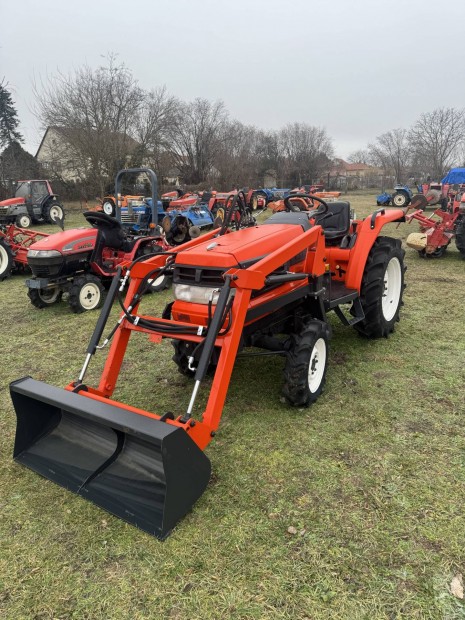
82 261
437 230
34 202
268 286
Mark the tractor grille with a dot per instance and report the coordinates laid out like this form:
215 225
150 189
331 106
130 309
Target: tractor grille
200 276
41 271
4 210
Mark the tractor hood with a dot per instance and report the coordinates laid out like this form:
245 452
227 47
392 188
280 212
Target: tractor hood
11 201
69 241
239 247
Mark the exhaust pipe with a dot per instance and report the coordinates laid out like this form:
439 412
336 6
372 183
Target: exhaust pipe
143 470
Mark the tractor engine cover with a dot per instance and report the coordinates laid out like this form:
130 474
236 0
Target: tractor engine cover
62 253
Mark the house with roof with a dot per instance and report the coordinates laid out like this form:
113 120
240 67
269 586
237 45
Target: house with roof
345 175
71 154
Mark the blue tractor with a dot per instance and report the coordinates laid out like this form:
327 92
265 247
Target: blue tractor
401 197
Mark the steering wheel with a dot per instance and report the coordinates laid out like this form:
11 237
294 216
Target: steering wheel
318 211
99 219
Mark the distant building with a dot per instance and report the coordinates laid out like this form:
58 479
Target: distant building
345 175
61 148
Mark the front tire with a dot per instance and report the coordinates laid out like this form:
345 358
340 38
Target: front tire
6 260
86 294
306 365
400 199
382 288
24 220
43 297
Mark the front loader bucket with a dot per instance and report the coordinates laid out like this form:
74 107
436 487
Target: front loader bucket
144 471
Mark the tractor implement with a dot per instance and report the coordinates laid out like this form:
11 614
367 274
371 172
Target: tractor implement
270 287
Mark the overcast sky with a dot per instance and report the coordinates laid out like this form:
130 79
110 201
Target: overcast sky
357 68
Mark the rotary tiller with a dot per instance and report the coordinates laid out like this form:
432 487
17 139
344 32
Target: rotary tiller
269 286
14 246
437 230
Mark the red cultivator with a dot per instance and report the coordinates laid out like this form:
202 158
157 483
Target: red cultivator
268 286
437 230
14 245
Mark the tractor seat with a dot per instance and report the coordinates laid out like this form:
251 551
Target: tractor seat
336 222
284 217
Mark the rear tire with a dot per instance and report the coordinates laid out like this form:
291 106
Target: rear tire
460 236
400 199
24 220
52 211
43 297
6 260
86 293
306 365
382 288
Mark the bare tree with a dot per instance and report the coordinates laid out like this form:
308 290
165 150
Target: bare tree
94 112
154 124
436 140
196 137
362 156
392 152
307 150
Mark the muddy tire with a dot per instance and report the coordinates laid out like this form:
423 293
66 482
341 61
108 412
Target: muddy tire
382 288
460 236
53 211
86 293
44 297
6 260
306 364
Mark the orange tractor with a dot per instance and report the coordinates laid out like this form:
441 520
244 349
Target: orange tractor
269 286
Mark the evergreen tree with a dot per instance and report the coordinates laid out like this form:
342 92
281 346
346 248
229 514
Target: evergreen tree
8 119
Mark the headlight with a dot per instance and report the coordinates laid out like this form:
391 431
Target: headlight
196 294
43 254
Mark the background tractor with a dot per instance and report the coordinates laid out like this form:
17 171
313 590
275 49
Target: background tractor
34 202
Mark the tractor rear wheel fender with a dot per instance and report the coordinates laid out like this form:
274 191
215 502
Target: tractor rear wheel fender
41 298
306 364
460 236
382 288
86 293
6 260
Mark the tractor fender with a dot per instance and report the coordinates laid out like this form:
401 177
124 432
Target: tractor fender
367 233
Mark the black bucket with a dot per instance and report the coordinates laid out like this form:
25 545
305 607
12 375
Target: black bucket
144 471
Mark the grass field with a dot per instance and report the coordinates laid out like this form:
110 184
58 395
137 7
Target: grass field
370 479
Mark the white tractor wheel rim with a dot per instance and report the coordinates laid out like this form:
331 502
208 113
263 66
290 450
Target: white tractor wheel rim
23 221
399 199
392 289
55 212
49 296
158 280
89 296
3 259
316 367
107 208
